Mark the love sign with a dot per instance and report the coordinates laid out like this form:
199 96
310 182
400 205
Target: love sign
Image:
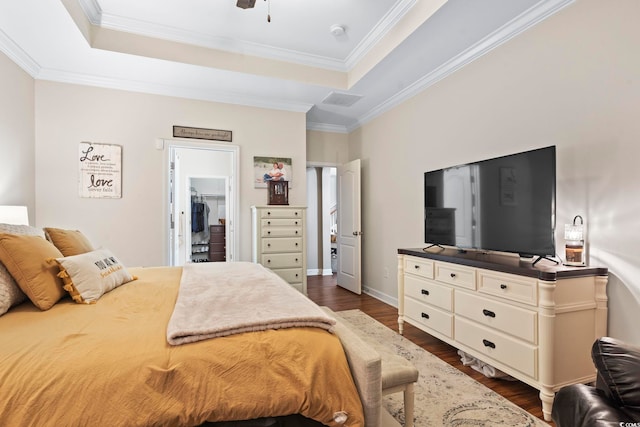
100 170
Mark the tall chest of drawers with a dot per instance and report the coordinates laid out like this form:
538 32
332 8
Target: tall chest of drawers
535 323
278 242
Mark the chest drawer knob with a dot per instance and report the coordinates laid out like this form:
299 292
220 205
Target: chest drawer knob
296 244
425 316
269 213
268 232
424 292
268 245
268 222
296 231
503 286
417 267
453 274
488 313
488 343
268 261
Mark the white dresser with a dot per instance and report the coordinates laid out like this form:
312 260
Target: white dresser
535 323
279 243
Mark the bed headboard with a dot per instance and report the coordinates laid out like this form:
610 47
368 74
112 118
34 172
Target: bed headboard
14 215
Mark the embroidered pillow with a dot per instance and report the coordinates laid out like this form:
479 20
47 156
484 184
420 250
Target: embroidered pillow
25 257
90 275
10 293
69 242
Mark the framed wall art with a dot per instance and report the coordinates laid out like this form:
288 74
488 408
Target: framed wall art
100 170
271 169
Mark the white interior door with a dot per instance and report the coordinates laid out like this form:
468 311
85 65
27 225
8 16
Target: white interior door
349 227
189 159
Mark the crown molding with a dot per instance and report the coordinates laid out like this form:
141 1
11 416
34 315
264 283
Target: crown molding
519 24
171 90
18 55
325 127
387 23
118 23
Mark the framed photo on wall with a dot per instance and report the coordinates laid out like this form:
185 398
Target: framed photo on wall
267 169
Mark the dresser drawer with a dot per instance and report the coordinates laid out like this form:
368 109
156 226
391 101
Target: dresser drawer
497 346
429 292
281 260
429 316
285 244
217 247
281 222
515 321
281 213
455 275
419 267
508 286
281 232
290 275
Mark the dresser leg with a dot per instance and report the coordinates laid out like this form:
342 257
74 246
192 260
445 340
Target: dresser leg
400 325
546 397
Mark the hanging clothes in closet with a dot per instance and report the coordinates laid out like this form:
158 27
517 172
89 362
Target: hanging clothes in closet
199 215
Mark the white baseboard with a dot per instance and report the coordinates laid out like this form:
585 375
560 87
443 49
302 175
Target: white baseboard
314 272
327 272
388 299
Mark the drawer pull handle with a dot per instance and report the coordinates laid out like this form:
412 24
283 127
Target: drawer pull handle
425 315
488 313
488 343
503 286
268 261
296 259
296 222
268 245
268 222
268 232
453 274
424 292
296 213
296 274
417 267
296 244
296 231
268 213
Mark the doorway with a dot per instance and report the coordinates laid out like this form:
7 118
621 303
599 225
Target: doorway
207 175
321 220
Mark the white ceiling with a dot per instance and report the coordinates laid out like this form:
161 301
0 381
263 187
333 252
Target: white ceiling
212 50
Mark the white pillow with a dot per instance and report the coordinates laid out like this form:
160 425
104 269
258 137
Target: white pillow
10 293
90 275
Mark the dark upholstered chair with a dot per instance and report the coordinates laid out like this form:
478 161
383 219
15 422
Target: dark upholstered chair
615 399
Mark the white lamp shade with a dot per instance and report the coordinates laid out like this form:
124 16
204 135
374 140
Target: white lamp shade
14 215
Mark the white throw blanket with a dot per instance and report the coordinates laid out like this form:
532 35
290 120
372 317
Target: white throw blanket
223 298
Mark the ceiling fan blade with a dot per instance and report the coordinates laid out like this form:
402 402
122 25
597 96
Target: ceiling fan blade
246 4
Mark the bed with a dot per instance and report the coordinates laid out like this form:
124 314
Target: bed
108 362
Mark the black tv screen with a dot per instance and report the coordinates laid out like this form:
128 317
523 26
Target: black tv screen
505 204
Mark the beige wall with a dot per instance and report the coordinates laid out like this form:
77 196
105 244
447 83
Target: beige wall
133 227
571 81
17 149
327 148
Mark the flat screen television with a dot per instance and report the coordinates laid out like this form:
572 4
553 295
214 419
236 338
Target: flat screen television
504 204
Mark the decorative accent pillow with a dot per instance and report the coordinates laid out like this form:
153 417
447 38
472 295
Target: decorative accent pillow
10 293
89 276
25 258
69 242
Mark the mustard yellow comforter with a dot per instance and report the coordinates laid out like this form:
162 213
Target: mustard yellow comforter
109 364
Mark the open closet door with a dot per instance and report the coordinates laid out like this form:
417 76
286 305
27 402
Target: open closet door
349 227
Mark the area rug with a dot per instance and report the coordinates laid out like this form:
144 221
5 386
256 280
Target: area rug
444 396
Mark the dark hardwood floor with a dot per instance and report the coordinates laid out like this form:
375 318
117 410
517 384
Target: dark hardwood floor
324 291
